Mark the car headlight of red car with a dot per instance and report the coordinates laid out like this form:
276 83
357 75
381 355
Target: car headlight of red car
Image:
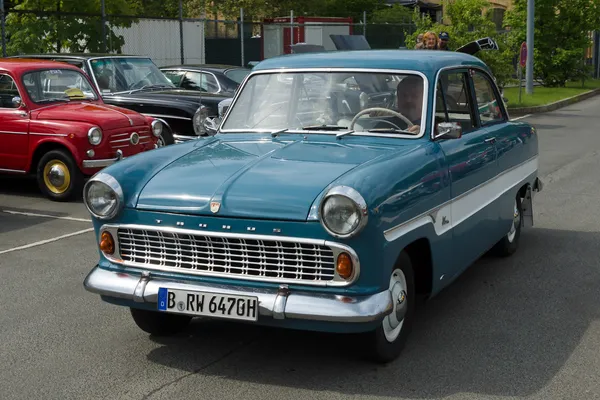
157 128
95 136
103 196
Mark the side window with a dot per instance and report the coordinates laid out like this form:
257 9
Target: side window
453 103
8 90
191 81
209 83
488 105
174 76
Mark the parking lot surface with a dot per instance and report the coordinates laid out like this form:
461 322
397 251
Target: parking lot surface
527 326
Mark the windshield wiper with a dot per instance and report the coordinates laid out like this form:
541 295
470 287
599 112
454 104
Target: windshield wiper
323 128
156 86
390 130
53 100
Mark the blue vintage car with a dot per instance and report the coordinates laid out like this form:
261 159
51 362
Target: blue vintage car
339 189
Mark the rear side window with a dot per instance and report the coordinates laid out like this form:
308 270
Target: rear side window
237 75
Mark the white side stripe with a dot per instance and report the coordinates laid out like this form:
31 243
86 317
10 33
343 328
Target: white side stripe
452 213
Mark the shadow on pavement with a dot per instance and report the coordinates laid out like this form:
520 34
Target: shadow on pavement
506 328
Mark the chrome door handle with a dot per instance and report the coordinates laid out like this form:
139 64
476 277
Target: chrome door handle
23 114
490 140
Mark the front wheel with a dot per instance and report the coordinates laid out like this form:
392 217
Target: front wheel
58 176
158 323
387 342
166 138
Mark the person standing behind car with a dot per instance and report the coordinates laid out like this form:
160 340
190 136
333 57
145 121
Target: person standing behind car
430 41
444 39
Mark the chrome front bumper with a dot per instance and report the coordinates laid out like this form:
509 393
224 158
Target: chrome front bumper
279 304
104 162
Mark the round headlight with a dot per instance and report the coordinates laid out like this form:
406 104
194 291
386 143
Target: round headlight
157 128
199 119
343 212
95 136
103 196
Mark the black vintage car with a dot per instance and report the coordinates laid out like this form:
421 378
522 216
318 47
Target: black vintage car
135 82
208 78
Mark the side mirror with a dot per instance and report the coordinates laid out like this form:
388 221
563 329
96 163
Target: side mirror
17 102
449 130
211 125
505 100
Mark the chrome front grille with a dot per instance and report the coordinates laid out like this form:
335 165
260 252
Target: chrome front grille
243 257
122 140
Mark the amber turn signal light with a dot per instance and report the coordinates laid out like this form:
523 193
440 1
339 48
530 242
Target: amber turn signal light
344 266
107 243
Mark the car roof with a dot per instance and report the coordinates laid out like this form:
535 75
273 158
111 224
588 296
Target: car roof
78 56
417 60
206 67
20 65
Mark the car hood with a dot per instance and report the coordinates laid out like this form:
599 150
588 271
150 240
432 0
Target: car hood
271 179
105 116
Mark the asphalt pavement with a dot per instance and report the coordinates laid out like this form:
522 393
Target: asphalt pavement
522 327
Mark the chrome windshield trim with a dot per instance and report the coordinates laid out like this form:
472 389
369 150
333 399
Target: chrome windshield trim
337 248
424 110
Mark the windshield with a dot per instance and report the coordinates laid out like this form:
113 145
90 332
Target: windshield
46 86
237 75
121 74
358 101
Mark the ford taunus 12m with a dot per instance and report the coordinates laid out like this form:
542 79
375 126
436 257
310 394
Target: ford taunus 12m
54 124
339 187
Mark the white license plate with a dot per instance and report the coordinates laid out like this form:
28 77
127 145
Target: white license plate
208 304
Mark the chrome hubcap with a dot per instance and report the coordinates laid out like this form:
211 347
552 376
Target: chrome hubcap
392 324
516 221
56 176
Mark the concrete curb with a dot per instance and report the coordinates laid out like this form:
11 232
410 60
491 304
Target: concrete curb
553 106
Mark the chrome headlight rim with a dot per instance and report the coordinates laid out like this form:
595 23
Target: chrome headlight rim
113 184
359 202
157 124
90 135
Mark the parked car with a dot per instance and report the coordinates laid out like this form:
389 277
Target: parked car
304 213
135 82
54 124
207 78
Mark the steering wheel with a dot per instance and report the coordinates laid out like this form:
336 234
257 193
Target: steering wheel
369 110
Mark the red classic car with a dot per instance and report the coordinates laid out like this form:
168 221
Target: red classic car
54 124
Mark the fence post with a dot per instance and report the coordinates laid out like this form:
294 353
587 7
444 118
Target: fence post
365 24
3 23
242 33
103 17
181 31
291 29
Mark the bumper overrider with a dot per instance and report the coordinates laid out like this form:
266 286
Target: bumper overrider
279 304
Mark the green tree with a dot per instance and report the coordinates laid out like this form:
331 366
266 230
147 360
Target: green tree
561 37
32 33
396 14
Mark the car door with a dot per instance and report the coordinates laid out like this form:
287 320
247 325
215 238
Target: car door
14 128
472 165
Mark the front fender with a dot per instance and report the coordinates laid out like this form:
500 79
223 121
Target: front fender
54 140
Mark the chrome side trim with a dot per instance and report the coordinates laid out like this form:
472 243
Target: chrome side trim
337 69
48 134
13 171
298 304
13 133
168 116
337 249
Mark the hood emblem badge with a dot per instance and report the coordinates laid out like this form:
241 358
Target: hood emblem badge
215 206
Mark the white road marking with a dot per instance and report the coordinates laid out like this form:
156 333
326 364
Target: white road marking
518 118
46 216
41 242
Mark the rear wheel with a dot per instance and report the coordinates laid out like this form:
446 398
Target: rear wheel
58 176
509 244
387 342
158 323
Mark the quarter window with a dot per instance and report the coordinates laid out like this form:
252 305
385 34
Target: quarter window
453 103
8 90
488 104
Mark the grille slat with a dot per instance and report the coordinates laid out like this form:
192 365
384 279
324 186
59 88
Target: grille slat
227 256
